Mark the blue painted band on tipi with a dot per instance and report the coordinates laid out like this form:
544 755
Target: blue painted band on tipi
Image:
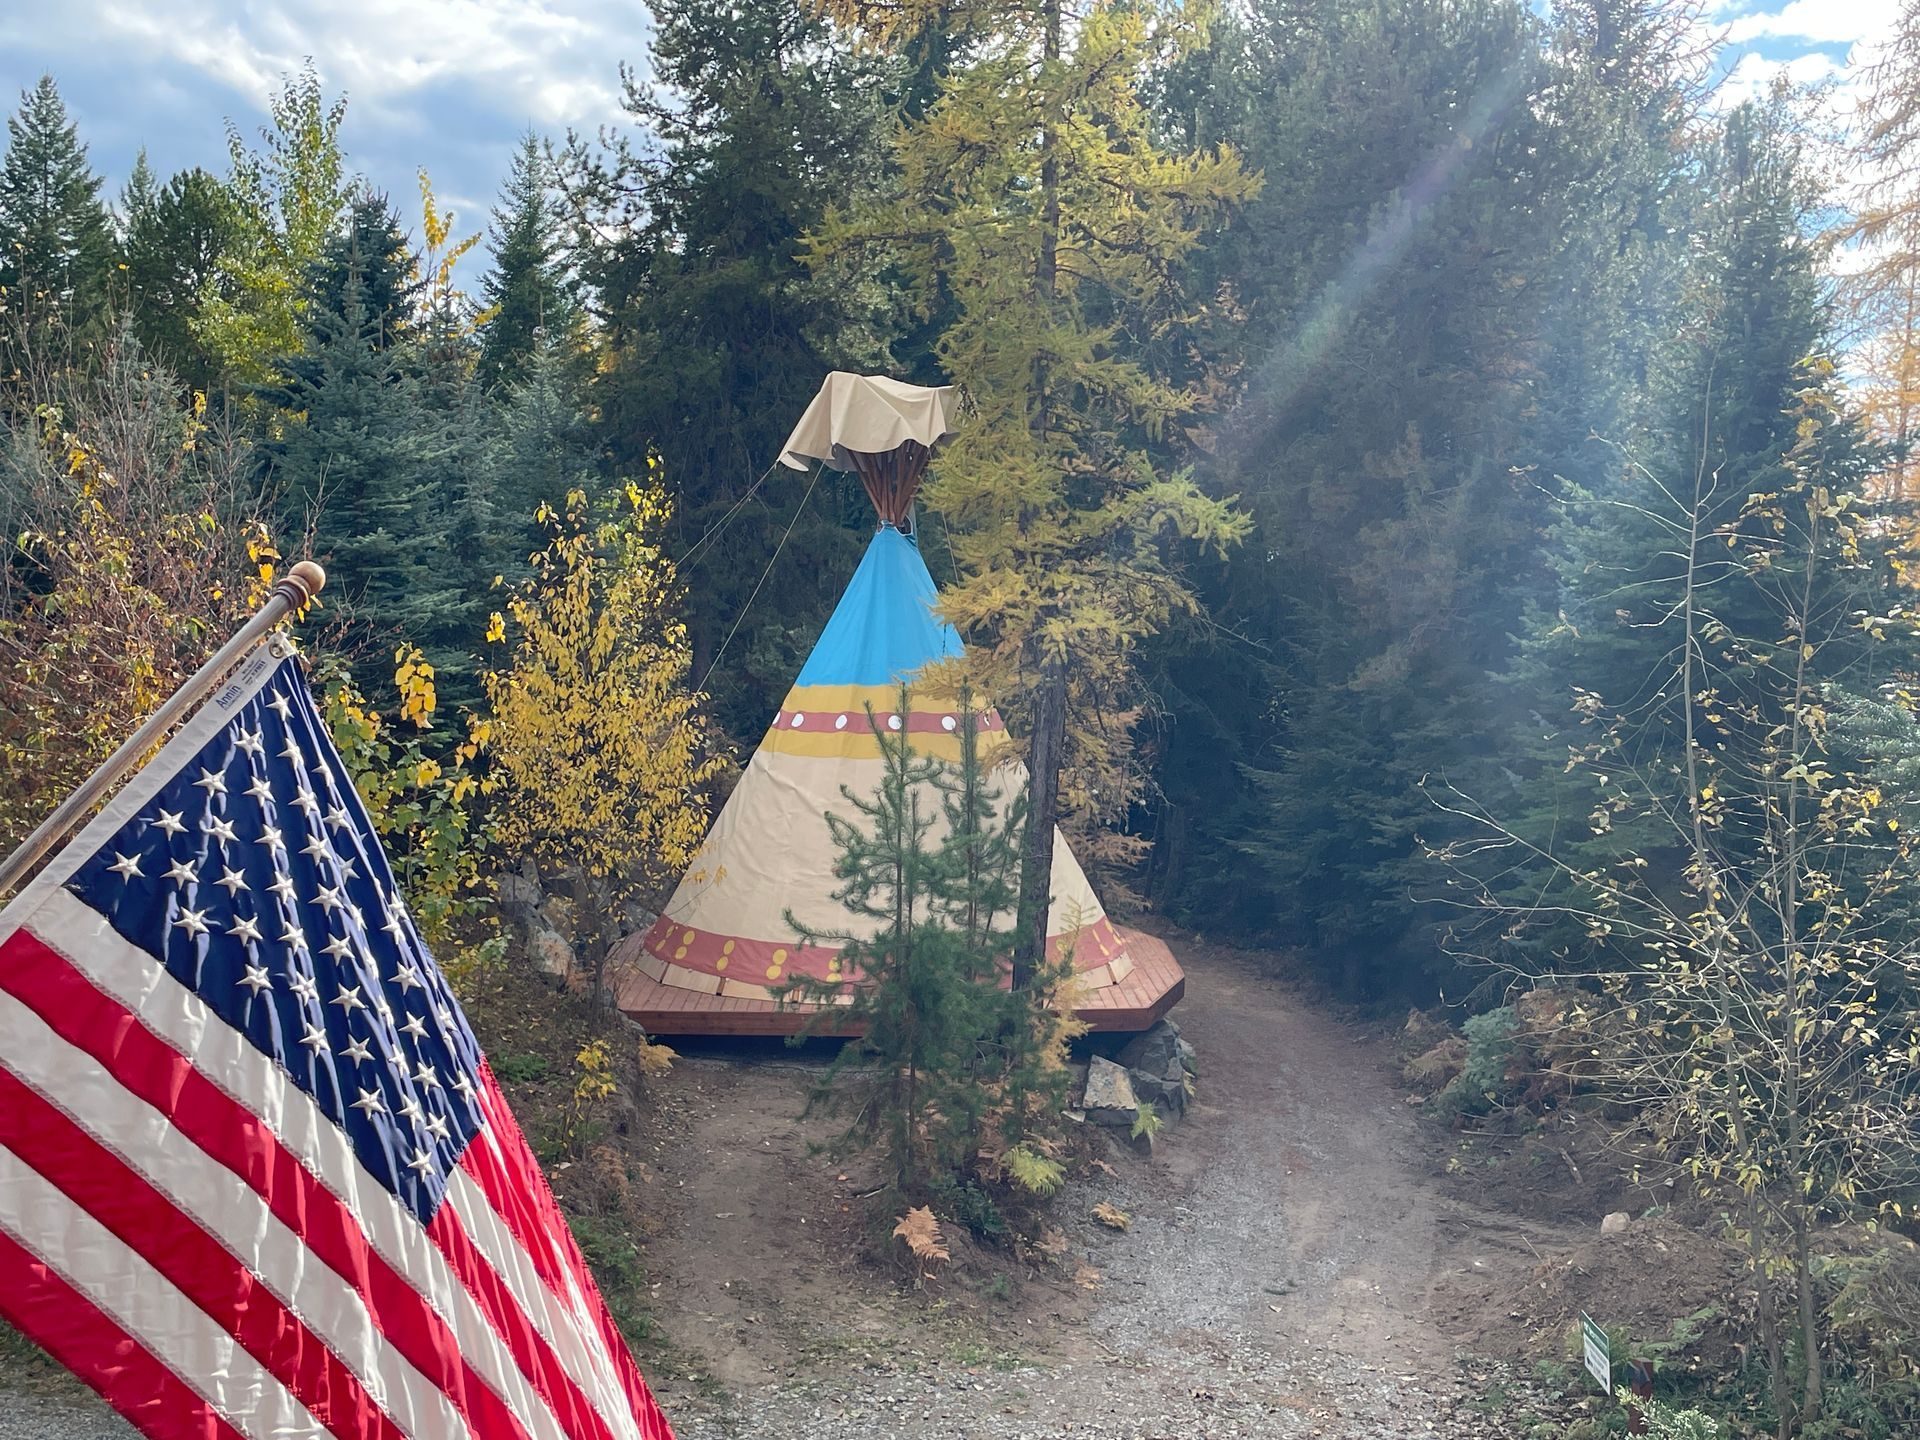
884 628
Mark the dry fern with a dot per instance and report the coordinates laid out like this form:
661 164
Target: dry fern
1112 1216
921 1231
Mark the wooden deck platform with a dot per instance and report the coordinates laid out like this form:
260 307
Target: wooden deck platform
1153 988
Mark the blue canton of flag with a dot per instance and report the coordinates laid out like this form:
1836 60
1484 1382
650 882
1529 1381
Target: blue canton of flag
256 878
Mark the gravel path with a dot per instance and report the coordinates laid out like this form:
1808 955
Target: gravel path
1276 1280
29 1417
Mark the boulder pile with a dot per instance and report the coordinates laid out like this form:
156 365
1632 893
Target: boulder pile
1156 1067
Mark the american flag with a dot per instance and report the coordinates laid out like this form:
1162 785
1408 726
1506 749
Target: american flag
256 1178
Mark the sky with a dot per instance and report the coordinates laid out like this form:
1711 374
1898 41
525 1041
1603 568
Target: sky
450 84
445 84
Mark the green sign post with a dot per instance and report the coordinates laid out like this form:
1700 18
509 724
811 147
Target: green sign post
1593 1340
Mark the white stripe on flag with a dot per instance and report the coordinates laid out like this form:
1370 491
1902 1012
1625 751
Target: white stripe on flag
205 1190
231 1063
145 1304
592 1370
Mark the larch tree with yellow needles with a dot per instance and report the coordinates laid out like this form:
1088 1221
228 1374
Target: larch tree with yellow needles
1037 211
600 752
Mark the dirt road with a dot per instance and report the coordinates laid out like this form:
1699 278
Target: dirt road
1279 1278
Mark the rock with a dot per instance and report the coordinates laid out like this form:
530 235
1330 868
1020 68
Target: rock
519 897
557 912
1616 1223
1189 1057
1168 1094
1109 1097
636 919
550 952
1158 1067
1156 1051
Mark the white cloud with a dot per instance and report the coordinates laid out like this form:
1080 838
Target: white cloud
448 84
1824 22
1753 74
550 63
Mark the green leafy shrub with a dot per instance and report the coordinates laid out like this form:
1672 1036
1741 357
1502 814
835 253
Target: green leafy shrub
1665 1422
1490 1051
522 1069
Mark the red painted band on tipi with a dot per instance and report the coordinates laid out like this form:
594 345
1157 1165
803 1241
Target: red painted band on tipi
773 963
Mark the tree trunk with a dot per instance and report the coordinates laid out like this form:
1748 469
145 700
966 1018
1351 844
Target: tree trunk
1044 754
1048 739
589 932
1811 1397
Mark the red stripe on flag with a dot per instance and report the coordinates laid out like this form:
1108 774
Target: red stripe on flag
41 1305
103 1185
41 978
517 1190
577 1414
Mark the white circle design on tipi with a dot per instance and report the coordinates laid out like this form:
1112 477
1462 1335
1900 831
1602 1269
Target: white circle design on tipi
841 723
798 719
947 722
893 722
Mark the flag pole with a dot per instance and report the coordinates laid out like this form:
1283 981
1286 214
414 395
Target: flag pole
295 589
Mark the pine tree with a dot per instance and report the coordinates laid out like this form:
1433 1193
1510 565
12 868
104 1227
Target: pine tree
716 336
1449 280
138 195
964 1068
352 463
1663 537
370 255
176 238
546 450
364 462
57 251
529 298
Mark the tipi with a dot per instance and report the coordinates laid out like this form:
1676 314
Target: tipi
713 960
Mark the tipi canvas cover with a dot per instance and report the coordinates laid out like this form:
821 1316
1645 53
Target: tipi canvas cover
726 931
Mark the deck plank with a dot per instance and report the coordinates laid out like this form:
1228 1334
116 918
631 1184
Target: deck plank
1155 986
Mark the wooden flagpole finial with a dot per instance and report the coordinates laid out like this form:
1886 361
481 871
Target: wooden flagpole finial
304 581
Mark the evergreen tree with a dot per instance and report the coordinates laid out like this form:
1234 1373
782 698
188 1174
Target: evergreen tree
1460 245
547 448
370 256
529 300
717 337
175 239
1663 537
367 465
56 241
965 1068
352 464
1034 196
138 195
